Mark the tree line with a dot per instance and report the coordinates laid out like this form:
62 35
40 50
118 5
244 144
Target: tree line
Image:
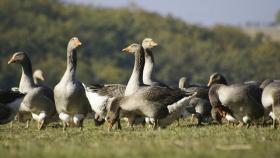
42 28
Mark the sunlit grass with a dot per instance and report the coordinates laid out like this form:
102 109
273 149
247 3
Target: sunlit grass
183 141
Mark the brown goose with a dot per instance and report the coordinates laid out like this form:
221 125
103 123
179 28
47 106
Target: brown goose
69 94
271 99
237 102
148 101
38 100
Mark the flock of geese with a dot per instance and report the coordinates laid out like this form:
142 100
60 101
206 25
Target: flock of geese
142 101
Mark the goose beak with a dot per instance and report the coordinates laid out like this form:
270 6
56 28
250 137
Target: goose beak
78 43
210 82
41 77
110 126
153 44
12 60
126 50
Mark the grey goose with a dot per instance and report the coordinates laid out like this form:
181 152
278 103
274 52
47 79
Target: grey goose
148 71
148 101
237 102
198 106
271 99
69 94
38 99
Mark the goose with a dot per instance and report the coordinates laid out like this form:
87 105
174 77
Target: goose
198 106
148 70
38 99
148 101
25 116
10 102
38 77
69 94
148 79
271 99
237 103
99 96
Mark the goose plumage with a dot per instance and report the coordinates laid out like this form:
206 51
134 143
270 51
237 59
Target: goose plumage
10 102
38 99
238 102
148 101
198 106
271 99
69 94
148 71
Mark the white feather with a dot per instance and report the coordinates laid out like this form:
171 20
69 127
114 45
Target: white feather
246 119
230 118
39 117
77 118
65 117
267 101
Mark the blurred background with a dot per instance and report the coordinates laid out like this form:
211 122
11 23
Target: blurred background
239 38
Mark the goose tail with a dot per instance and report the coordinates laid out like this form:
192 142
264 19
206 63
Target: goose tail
9 111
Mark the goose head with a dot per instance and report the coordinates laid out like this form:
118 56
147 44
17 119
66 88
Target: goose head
265 83
148 43
132 48
38 74
73 44
216 78
184 82
113 113
19 58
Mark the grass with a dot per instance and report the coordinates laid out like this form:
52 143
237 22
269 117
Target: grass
183 141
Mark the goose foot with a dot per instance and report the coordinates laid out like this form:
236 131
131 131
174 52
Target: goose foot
192 118
27 124
155 125
11 125
274 123
178 123
240 125
119 126
64 126
40 124
81 124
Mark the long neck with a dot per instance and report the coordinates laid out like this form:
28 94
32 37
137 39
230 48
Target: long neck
149 67
136 79
71 65
37 81
182 83
26 81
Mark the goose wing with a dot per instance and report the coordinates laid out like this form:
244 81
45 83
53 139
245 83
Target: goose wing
110 90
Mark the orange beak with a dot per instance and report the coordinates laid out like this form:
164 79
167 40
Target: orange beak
126 50
153 44
12 60
78 43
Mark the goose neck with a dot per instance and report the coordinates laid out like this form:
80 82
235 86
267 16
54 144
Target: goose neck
136 78
26 81
71 65
148 67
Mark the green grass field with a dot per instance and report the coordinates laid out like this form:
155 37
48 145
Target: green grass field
183 141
